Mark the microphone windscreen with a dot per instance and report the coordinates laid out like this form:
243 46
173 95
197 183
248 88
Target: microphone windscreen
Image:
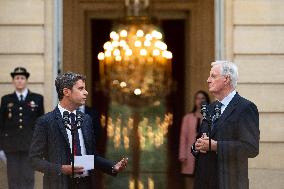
204 103
203 110
79 120
66 117
65 113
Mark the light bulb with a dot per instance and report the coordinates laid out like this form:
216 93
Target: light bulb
147 43
140 33
128 52
101 56
108 45
115 44
118 58
148 37
107 53
137 43
137 92
116 52
156 52
143 52
123 33
123 84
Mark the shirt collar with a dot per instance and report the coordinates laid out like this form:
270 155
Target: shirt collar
24 93
82 108
61 109
228 98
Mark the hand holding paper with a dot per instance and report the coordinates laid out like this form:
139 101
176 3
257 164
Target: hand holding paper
86 161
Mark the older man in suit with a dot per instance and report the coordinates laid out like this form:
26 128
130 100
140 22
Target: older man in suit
50 151
18 113
234 136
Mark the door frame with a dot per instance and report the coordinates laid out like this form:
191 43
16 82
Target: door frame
200 37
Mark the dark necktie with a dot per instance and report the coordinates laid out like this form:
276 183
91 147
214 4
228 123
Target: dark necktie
76 145
219 104
21 98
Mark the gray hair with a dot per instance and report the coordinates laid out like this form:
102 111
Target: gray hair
228 69
67 80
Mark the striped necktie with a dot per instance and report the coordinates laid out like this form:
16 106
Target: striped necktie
76 145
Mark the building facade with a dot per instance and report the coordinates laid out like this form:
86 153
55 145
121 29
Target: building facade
252 36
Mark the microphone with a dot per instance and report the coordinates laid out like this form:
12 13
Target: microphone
217 110
79 120
66 118
204 109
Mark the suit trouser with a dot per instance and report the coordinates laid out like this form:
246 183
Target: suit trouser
80 183
19 171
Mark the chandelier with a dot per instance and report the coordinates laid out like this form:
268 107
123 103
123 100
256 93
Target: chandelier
135 66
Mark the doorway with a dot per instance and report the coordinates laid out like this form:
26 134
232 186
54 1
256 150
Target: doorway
167 168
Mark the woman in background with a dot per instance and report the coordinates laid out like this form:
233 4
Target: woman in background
189 131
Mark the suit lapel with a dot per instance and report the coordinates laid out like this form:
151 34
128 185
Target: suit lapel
28 96
84 127
85 130
15 97
229 109
60 124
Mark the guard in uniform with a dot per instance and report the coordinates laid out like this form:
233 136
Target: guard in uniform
18 113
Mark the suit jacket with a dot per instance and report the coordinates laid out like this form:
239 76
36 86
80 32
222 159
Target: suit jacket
50 149
237 134
187 137
17 121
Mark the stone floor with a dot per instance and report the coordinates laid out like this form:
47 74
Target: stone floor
3 178
259 178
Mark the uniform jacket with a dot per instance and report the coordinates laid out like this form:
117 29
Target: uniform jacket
50 149
17 121
237 134
187 138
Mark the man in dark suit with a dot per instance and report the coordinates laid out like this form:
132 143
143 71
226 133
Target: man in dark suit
50 151
18 113
235 135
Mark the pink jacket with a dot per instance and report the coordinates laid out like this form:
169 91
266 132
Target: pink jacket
187 138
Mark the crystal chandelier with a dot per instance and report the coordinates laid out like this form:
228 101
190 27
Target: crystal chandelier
135 67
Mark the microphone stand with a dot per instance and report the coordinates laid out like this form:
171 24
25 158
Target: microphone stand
209 133
72 129
207 117
215 117
210 119
210 123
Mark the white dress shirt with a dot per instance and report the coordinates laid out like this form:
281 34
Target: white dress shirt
82 108
82 144
225 102
24 93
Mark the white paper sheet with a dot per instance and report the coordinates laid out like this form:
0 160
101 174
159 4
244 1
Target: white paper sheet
86 161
